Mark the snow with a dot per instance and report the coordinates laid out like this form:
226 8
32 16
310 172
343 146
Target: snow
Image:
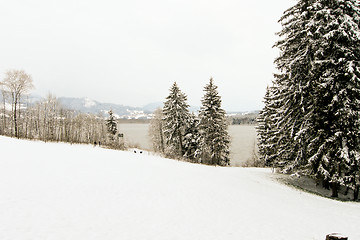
8 107
135 114
59 191
88 103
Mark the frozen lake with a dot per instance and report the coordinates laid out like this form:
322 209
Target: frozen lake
243 139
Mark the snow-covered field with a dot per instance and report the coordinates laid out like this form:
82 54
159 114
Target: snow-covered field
61 192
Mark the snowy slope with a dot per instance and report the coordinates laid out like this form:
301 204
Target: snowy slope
58 191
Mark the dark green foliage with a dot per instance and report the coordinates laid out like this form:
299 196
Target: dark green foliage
213 128
111 125
175 117
201 139
267 131
192 139
315 124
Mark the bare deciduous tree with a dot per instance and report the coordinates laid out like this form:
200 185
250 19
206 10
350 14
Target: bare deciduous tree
17 82
156 131
4 96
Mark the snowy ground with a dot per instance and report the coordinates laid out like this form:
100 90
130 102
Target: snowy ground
61 192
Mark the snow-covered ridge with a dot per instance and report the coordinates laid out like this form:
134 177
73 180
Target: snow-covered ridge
61 191
88 103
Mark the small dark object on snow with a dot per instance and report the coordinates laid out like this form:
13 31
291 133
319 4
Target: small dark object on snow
95 143
140 151
336 236
134 151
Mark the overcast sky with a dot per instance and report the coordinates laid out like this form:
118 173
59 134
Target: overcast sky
130 52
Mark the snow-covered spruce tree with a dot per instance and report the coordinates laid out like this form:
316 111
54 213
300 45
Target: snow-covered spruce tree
294 86
213 126
267 130
318 90
175 118
111 125
192 139
334 154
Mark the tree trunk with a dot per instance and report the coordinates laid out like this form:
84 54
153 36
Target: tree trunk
334 189
356 192
15 118
4 115
180 144
161 139
20 126
325 184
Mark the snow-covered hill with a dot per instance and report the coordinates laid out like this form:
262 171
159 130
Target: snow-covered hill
58 191
87 105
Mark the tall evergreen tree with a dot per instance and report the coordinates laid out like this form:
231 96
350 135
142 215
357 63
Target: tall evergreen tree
267 130
111 125
294 86
335 155
318 90
213 128
175 116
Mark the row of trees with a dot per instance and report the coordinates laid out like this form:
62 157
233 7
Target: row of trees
177 133
47 120
311 119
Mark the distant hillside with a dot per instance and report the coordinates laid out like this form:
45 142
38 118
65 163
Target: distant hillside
151 107
87 105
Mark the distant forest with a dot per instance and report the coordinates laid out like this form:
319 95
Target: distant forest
245 119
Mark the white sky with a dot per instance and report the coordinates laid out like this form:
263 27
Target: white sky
130 52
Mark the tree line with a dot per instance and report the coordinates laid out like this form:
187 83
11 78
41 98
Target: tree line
202 138
47 119
310 123
245 119
175 131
